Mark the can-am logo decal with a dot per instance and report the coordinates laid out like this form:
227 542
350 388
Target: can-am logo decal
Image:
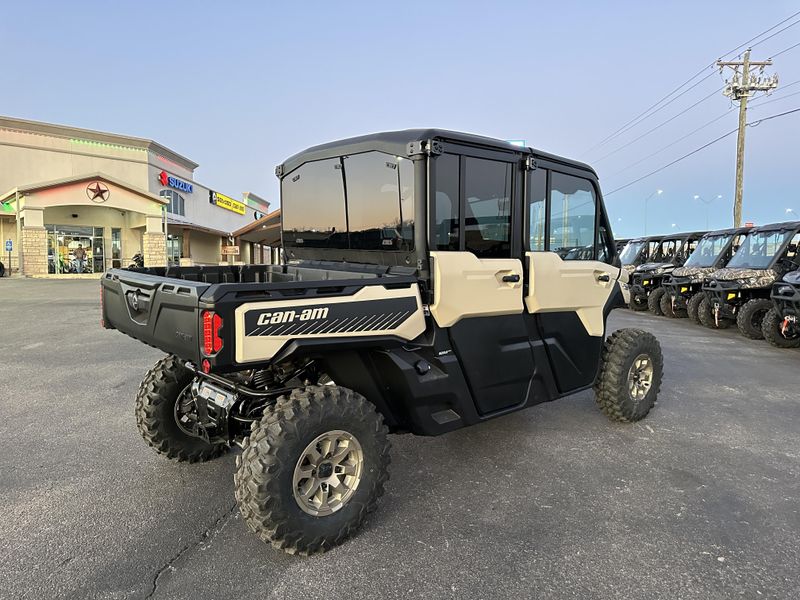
346 316
290 316
179 184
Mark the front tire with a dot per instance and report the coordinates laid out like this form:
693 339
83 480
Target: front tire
630 375
693 307
705 313
654 301
291 488
771 328
750 317
163 386
638 302
668 311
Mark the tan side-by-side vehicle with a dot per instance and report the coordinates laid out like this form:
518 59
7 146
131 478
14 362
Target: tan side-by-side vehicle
431 280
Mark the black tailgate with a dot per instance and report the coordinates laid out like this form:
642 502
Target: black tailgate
159 311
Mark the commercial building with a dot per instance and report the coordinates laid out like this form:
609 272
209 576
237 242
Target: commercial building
80 201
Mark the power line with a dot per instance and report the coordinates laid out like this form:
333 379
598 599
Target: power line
633 122
786 50
703 147
769 37
756 103
659 126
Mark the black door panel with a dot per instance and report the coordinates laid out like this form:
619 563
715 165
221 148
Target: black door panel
574 355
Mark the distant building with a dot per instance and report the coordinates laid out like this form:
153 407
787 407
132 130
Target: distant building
74 200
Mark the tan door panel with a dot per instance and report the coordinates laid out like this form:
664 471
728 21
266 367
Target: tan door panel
467 286
570 285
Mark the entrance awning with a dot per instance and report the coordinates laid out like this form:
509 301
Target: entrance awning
265 231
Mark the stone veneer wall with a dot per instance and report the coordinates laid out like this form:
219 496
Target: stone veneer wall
155 251
34 250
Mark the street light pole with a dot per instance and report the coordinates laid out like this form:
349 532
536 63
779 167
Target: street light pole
657 192
707 203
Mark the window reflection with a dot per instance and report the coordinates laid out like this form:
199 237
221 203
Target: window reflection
572 217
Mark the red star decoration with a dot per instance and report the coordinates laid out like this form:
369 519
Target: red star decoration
98 191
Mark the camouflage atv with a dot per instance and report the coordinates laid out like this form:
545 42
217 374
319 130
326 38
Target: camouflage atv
740 293
635 252
683 289
671 252
780 325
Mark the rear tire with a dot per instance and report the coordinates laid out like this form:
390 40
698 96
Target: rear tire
751 316
654 301
155 414
278 484
705 313
693 306
771 328
630 375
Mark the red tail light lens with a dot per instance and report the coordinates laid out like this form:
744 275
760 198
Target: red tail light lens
212 342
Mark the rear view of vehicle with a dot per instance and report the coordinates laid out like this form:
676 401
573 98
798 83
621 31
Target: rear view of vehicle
780 325
434 280
671 252
683 289
740 292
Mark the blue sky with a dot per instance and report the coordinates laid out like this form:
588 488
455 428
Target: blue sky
240 86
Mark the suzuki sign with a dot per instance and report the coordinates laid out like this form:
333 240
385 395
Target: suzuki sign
173 182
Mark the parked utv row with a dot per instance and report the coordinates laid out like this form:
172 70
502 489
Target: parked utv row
744 276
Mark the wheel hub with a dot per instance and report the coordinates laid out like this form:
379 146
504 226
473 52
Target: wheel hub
640 377
327 473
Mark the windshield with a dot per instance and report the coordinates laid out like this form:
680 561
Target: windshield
630 252
708 250
759 249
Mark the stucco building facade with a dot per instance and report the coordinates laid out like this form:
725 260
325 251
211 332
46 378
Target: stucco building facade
76 201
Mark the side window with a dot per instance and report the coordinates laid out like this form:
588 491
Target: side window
536 210
793 249
446 215
312 206
487 207
572 217
603 245
374 206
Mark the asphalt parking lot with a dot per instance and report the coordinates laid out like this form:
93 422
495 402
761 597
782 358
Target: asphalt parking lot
699 500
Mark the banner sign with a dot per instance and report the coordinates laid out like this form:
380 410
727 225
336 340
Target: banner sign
226 202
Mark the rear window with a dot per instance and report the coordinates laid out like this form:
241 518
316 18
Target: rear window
358 202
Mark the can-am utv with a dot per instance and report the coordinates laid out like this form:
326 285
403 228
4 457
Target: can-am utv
671 252
636 252
684 287
780 325
468 314
740 292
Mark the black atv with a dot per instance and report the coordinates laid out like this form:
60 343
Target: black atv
740 293
683 289
780 325
672 252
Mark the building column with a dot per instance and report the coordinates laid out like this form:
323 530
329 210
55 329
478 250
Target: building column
154 243
34 250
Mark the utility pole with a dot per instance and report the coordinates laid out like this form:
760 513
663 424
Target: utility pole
740 87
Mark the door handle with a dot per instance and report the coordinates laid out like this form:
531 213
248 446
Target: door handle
513 278
604 277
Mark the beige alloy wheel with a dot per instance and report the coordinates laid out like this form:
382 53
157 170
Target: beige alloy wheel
327 473
640 377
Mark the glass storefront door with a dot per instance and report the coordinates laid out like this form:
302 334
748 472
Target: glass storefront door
72 249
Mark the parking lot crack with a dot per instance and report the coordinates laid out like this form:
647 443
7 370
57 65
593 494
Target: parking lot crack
209 532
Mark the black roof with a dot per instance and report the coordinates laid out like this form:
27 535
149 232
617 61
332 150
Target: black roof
777 226
396 142
730 231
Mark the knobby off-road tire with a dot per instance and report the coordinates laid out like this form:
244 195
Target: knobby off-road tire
771 328
630 357
638 302
266 478
666 308
693 306
155 414
705 314
750 317
654 301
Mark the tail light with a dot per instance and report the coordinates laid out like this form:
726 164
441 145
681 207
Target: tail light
212 342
